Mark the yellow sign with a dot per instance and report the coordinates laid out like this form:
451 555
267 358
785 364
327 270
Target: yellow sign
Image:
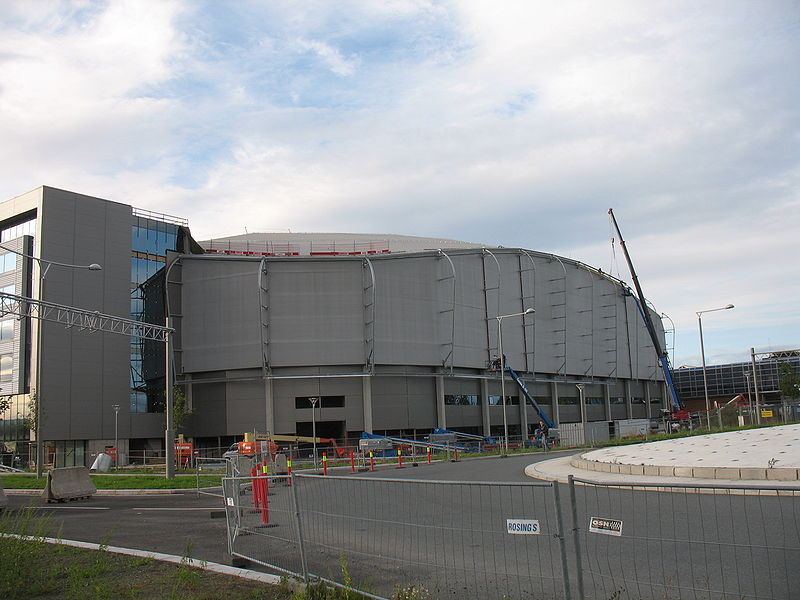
766 413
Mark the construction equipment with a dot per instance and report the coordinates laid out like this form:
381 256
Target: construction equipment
530 399
641 303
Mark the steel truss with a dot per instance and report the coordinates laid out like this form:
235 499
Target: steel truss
69 316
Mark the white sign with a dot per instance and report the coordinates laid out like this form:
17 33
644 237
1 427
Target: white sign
522 526
605 526
229 501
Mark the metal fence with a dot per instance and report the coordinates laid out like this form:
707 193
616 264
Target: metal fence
540 540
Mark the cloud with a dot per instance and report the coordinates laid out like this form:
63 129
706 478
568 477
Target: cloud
514 123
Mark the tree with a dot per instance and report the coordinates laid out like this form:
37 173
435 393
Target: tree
790 381
5 403
180 408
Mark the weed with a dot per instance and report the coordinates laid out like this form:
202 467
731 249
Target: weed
412 592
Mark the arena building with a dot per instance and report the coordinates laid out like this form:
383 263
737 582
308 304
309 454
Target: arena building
386 333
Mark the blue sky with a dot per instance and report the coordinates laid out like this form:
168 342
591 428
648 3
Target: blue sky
512 123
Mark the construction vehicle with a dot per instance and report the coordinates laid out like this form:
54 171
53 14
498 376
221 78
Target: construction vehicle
641 303
266 444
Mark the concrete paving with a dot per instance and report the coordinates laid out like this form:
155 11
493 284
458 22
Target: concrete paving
768 457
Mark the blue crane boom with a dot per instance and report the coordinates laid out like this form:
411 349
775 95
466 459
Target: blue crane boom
529 398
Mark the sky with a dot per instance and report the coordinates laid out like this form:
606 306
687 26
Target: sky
514 123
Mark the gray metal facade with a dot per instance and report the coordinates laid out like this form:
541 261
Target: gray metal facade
396 334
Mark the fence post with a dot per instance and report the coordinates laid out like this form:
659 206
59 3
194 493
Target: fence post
562 541
297 522
576 539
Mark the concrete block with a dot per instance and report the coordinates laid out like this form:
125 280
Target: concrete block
726 473
68 483
666 471
637 469
3 497
651 470
782 474
683 471
624 469
704 472
753 474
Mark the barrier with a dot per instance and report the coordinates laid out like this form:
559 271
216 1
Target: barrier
68 483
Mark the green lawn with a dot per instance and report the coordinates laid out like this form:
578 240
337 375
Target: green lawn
117 482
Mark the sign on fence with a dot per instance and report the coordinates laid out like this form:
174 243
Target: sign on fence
605 526
522 526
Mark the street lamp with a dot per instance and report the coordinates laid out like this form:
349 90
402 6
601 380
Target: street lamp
116 437
703 357
38 378
503 371
580 387
314 427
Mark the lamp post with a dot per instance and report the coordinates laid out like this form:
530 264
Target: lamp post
116 437
314 427
749 396
43 270
580 387
503 371
703 357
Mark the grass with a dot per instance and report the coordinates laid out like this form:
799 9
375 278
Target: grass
117 482
32 568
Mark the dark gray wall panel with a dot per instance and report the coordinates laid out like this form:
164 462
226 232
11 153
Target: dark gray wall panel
316 312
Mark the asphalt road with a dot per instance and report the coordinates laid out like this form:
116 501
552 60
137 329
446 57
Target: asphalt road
452 538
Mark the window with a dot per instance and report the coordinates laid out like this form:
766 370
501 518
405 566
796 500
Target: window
510 401
322 401
568 400
6 367
655 400
617 400
594 400
637 400
461 400
7 329
9 289
8 262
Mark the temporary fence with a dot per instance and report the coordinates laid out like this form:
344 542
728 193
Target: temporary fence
456 539
685 541
460 539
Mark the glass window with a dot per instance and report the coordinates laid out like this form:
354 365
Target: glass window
322 401
9 289
461 399
617 400
637 400
26 228
8 262
594 400
510 401
568 400
7 329
6 367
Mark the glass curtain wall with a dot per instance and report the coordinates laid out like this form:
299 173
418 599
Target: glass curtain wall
151 239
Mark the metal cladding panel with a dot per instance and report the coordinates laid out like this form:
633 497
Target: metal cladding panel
221 319
84 373
549 321
316 312
463 416
287 415
245 408
409 329
403 402
210 416
471 337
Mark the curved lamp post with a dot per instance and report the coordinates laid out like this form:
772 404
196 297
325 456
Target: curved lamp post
703 357
44 268
503 370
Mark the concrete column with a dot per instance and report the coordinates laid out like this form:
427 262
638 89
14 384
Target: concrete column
485 407
441 416
607 401
366 394
269 406
554 394
629 410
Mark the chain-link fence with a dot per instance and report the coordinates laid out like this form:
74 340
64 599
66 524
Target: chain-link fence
540 540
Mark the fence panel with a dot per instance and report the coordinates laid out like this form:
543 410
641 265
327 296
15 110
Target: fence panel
264 532
451 538
702 542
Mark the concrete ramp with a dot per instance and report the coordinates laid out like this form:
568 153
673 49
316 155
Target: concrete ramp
68 483
3 497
